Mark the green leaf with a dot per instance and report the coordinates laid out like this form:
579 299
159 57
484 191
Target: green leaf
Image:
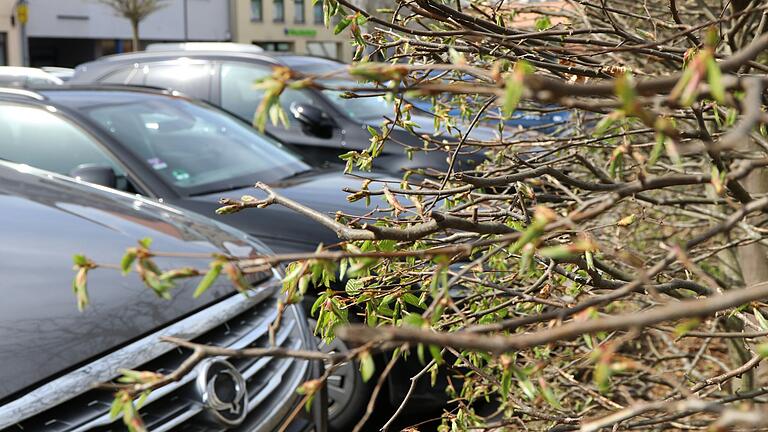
603 376
558 252
437 355
367 366
525 383
80 260
117 406
550 397
159 286
686 326
543 23
715 80
208 279
342 24
146 242
308 404
590 259
506 381
606 123
353 287
625 90
762 350
80 288
413 300
414 320
304 284
658 148
513 91
343 268
142 399
319 302
127 261
456 57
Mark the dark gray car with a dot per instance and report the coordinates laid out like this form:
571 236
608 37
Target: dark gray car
184 153
52 355
324 123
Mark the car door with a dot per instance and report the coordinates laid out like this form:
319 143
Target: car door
239 96
43 139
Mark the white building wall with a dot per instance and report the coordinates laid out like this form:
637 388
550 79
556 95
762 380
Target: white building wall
87 19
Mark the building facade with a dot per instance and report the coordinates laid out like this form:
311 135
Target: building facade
288 26
10 31
70 32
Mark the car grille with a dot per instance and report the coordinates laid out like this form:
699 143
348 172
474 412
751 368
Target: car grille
271 382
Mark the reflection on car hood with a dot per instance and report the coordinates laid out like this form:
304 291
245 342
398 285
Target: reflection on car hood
45 220
285 230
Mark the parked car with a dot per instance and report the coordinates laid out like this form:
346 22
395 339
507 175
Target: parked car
184 153
64 74
12 76
546 119
324 123
53 356
204 46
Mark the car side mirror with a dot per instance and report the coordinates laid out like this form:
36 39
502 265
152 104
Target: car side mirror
97 174
314 120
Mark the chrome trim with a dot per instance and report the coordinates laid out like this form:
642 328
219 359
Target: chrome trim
105 419
276 379
191 412
289 399
142 351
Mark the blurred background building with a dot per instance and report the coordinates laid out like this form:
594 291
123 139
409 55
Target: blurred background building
10 34
69 32
288 26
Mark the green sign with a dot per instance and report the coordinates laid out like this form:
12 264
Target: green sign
305 32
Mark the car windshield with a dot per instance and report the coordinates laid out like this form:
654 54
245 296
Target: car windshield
195 149
364 106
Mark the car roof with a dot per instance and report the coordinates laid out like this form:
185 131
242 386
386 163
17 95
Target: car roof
174 54
83 96
205 46
301 63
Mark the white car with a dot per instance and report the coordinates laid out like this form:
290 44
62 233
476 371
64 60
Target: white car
12 76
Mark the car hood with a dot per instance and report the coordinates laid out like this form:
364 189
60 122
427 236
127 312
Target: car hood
45 220
284 230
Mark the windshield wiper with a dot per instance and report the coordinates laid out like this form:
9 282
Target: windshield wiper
222 189
298 174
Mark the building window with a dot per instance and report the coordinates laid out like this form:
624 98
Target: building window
3 50
298 11
276 46
256 9
324 49
279 6
317 11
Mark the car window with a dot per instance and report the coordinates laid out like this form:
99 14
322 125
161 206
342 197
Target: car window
130 75
191 79
193 148
239 96
369 107
40 138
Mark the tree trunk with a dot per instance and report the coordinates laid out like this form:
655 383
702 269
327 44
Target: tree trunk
135 28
